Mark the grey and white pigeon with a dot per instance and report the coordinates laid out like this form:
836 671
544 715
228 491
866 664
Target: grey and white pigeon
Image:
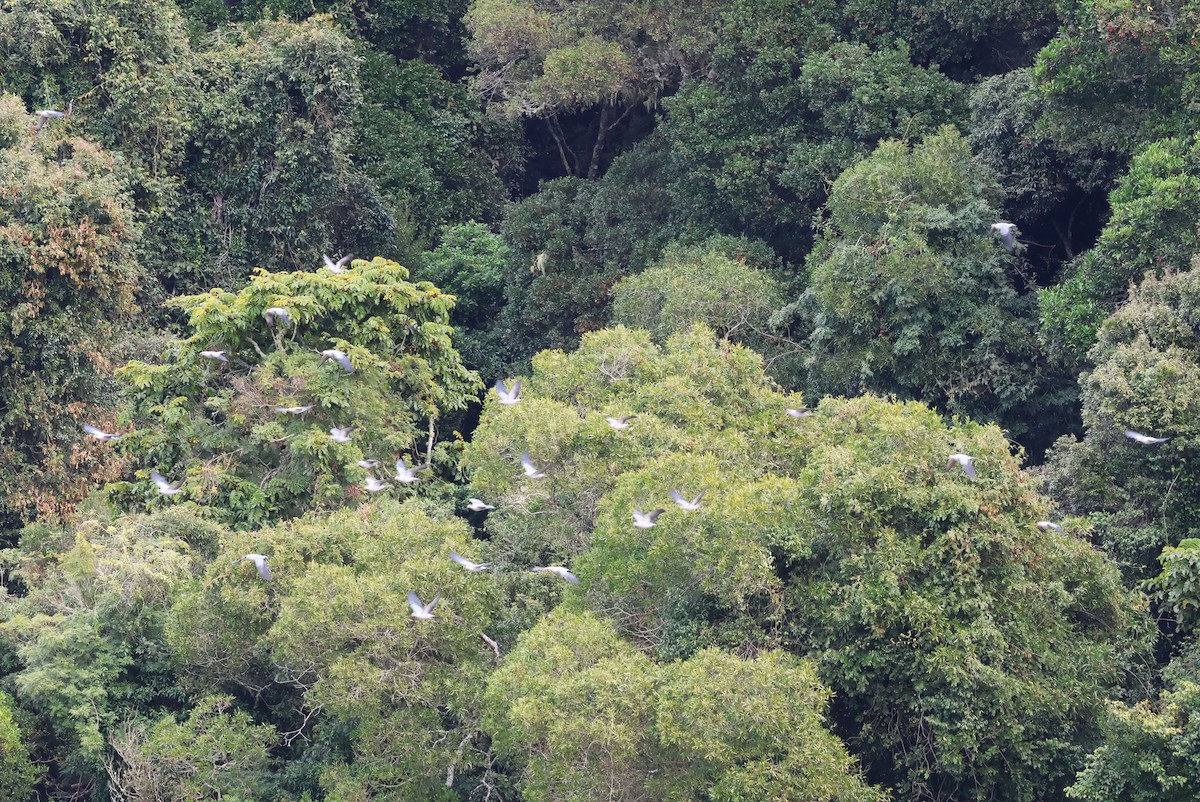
802 412
339 435
470 566
407 475
506 396
99 434
620 423
967 463
420 610
260 562
477 505
337 356
339 266
531 470
1144 439
164 487
367 464
219 356
559 570
690 506
1047 526
275 315
294 410
375 485
645 520
1008 235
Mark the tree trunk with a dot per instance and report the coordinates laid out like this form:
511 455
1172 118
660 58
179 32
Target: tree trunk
601 139
556 132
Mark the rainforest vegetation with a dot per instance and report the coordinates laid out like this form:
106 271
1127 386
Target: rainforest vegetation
570 400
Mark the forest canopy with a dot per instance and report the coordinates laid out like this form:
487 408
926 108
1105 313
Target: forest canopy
500 401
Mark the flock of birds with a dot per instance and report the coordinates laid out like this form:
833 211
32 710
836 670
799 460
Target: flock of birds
506 396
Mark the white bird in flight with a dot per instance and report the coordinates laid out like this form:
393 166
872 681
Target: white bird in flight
44 116
164 487
803 412
1008 236
407 475
276 314
645 520
620 423
967 463
375 485
508 397
339 435
1047 526
339 266
337 356
470 566
560 571
419 610
260 562
99 434
478 505
1144 439
294 410
217 355
694 504
531 470
367 463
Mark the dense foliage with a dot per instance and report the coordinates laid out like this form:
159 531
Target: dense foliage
845 356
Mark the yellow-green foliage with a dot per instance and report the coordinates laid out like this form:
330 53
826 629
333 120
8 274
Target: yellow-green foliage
215 423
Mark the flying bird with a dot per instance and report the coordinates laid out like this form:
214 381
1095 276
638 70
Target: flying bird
44 116
508 397
645 520
375 485
477 505
275 315
100 435
339 435
339 266
1008 236
164 487
367 463
470 566
294 410
803 412
1144 439
531 470
560 571
219 356
967 463
419 610
260 562
407 475
337 356
620 423
694 504
1047 526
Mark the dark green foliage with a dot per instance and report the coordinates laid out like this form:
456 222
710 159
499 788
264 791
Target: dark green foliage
216 423
1177 588
1155 207
910 293
1146 378
753 150
68 275
1151 750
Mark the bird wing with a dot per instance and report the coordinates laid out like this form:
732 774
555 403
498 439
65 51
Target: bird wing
160 480
527 463
696 500
429 607
461 560
414 601
263 570
94 432
567 575
344 361
678 497
501 388
968 465
655 513
342 262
